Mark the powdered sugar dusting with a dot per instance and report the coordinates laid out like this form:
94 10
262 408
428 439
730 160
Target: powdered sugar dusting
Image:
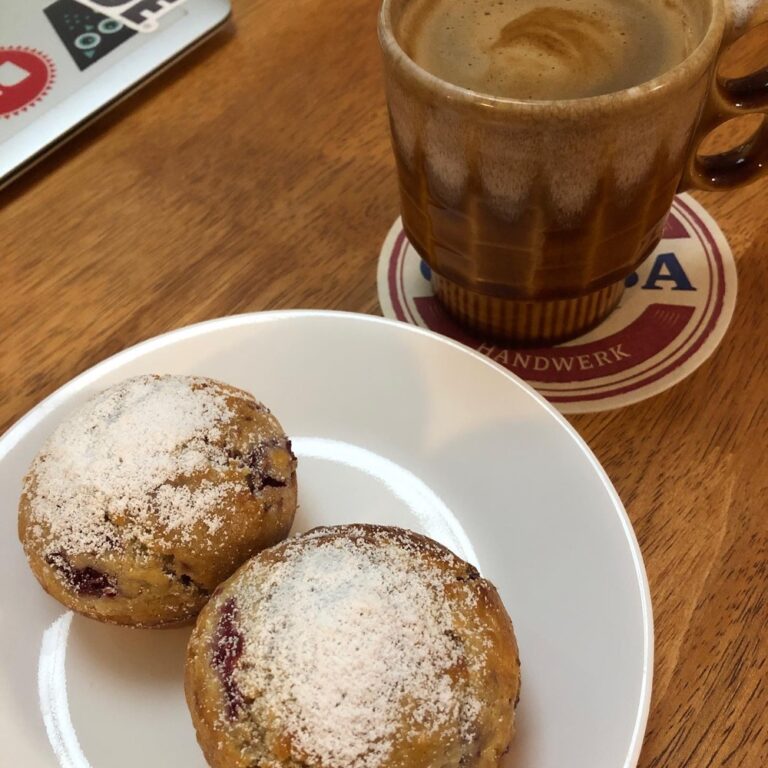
349 639
742 10
120 458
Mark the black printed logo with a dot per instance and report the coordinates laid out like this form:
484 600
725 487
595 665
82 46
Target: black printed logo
140 15
87 35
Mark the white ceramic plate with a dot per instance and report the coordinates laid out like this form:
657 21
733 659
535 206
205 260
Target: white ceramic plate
395 425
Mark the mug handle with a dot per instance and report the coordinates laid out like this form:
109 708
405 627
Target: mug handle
729 98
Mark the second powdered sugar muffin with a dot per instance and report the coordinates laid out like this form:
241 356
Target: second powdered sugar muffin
354 646
153 493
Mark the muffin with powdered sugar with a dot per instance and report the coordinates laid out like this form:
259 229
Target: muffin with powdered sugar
354 647
151 494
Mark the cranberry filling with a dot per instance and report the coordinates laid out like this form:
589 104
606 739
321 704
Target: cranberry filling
272 482
227 650
260 477
472 574
87 581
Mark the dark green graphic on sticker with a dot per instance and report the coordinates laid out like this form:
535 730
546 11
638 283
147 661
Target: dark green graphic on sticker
141 15
87 35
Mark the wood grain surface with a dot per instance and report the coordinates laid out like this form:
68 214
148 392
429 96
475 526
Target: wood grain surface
257 174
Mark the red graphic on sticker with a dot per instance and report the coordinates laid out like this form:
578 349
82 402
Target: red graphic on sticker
26 76
674 313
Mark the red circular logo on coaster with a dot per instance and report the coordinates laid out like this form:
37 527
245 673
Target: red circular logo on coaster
673 314
26 76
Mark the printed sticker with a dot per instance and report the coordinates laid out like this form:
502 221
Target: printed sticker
26 76
139 15
87 35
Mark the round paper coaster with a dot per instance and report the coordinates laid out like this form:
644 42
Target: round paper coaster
672 317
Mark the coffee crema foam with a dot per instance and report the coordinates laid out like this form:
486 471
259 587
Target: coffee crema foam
546 49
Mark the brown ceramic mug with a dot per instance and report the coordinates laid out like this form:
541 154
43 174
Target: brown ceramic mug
531 213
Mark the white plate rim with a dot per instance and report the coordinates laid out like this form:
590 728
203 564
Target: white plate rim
36 414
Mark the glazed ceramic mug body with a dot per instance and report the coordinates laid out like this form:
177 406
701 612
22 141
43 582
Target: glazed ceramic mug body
531 214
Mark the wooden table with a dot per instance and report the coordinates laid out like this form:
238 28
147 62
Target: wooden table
257 174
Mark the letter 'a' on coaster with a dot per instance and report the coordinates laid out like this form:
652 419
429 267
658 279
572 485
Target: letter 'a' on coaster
671 318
